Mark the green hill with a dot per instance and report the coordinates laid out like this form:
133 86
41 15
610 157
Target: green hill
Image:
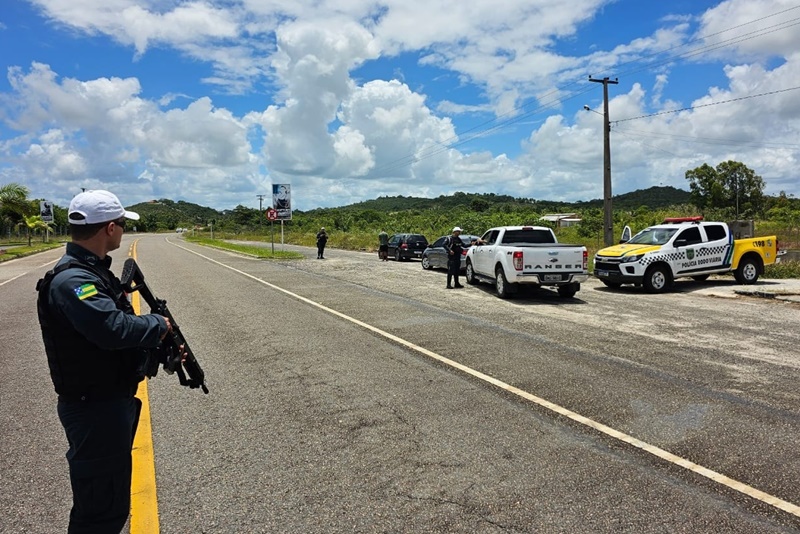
653 198
167 214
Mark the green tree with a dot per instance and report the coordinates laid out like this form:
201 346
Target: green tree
14 204
591 224
148 223
479 204
14 197
731 187
245 217
32 223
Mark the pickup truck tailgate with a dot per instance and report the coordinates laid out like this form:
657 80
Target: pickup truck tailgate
551 262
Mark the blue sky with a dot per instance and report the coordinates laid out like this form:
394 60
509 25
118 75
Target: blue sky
213 101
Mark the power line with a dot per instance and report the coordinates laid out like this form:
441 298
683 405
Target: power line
713 46
706 140
443 146
707 105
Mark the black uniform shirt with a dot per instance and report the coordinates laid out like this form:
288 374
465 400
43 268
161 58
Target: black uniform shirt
455 245
85 302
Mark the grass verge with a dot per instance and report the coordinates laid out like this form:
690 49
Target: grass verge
250 250
784 269
25 250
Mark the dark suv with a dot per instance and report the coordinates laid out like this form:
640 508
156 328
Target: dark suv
407 246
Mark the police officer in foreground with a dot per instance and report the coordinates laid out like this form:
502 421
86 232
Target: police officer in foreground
95 347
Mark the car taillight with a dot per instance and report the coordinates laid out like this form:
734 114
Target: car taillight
585 260
404 246
517 260
464 251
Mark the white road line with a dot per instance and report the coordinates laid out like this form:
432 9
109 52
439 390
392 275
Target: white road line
26 272
719 478
12 279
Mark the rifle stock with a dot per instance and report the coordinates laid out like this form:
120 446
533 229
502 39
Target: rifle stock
169 352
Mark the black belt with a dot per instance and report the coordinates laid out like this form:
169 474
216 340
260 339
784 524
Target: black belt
97 396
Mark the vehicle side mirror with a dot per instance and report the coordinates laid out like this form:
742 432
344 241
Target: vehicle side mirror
621 241
681 243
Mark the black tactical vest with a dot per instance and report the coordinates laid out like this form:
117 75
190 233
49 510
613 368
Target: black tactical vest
81 370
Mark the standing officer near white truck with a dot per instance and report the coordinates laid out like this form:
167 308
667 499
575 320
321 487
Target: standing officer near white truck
455 248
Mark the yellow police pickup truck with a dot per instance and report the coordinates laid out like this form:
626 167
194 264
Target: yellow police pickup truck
683 247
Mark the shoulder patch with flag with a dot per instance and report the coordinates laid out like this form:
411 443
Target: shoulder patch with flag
85 291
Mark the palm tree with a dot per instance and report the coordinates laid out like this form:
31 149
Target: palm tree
14 197
13 204
35 222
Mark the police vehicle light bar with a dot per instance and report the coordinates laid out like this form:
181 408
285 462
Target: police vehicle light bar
676 220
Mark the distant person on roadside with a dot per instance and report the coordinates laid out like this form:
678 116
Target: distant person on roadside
322 240
454 247
383 246
95 345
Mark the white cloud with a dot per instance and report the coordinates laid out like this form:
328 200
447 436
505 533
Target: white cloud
101 131
752 29
658 150
339 140
131 23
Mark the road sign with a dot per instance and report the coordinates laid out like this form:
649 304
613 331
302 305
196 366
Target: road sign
272 214
46 211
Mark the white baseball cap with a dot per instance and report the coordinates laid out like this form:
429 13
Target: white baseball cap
457 229
97 206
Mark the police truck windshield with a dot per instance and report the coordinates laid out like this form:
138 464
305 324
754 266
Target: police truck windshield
653 236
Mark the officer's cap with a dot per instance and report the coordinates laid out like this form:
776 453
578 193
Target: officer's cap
97 206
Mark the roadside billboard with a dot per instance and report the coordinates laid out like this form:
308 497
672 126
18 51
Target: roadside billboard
282 201
46 210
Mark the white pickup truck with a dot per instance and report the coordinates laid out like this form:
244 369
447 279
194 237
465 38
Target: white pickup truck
512 255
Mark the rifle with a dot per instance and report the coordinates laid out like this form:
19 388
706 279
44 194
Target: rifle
169 351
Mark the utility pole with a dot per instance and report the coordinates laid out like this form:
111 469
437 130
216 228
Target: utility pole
608 217
260 214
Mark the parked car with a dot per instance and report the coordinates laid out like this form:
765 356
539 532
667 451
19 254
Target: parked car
407 246
435 255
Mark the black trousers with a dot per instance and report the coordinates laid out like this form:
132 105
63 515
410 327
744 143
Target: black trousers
100 436
320 249
453 270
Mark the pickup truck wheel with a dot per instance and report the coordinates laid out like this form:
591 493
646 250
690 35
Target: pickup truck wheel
504 289
657 279
568 291
469 273
700 277
426 263
747 272
612 285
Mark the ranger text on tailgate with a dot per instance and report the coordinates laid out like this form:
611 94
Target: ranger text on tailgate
509 256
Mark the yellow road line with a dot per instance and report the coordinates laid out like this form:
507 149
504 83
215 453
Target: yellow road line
144 500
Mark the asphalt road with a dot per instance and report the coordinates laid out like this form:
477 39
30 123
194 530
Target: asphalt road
353 395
